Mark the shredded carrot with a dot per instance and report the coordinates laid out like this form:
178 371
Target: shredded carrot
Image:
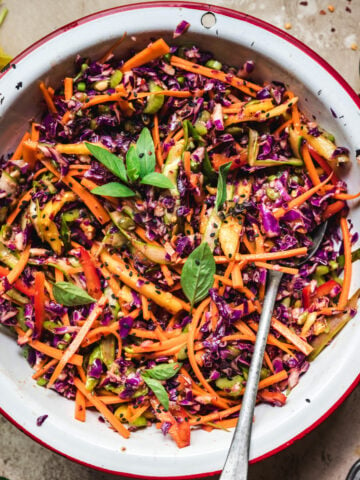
81 373
54 352
346 196
99 405
47 97
269 362
211 417
151 52
187 166
68 88
179 135
137 413
272 380
35 132
45 368
291 336
75 344
102 98
298 201
109 53
277 268
89 200
80 407
157 143
243 85
190 348
333 209
324 165
167 275
282 127
272 340
39 302
18 284
266 256
167 93
17 155
107 398
314 177
15 273
344 294
66 117
249 245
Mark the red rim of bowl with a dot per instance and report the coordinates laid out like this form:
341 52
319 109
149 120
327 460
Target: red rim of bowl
265 26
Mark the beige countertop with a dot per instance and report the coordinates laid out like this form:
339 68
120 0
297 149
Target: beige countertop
329 451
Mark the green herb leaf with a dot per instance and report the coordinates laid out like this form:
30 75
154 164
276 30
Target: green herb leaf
112 162
157 180
221 186
132 164
158 389
209 171
197 275
163 371
68 294
113 189
145 151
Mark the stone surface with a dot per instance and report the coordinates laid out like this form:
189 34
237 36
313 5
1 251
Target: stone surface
329 451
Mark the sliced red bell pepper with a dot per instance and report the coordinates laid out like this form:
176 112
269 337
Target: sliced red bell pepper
326 288
91 276
179 427
18 284
306 296
39 303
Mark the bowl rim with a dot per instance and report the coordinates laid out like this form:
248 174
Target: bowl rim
238 15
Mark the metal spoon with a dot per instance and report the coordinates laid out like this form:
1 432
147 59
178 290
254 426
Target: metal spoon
236 464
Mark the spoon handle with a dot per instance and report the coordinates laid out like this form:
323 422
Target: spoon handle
236 464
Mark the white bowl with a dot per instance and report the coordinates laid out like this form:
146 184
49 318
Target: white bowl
233 39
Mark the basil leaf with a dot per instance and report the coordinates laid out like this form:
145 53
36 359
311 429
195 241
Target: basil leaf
221 186
113 189
132 164
112 162
197 275
145 151
209 171
70 295
157 180
158 389
163 371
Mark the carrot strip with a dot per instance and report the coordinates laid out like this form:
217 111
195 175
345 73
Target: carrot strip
187 166
243 85
80 407
259 257
137 413
89 200
219 415
167 275
298 201
167 93
259 239
271 340
282 127
81 373
309 165
35 132
271 380
66 117
68 88
54 352
346 196
295 113
107 399
278 268
99 405
39 373
103 98
344 294
191 354
249 245
157 143
333 209
324 165
93 284
75 344
19 267
269 362
18 151
151 52
156 346
301 344
18 284
47 98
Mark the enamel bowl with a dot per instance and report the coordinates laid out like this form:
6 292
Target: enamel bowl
233 38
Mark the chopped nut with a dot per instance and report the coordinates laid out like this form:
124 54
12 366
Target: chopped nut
322 12
331 8
354 46
287 26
